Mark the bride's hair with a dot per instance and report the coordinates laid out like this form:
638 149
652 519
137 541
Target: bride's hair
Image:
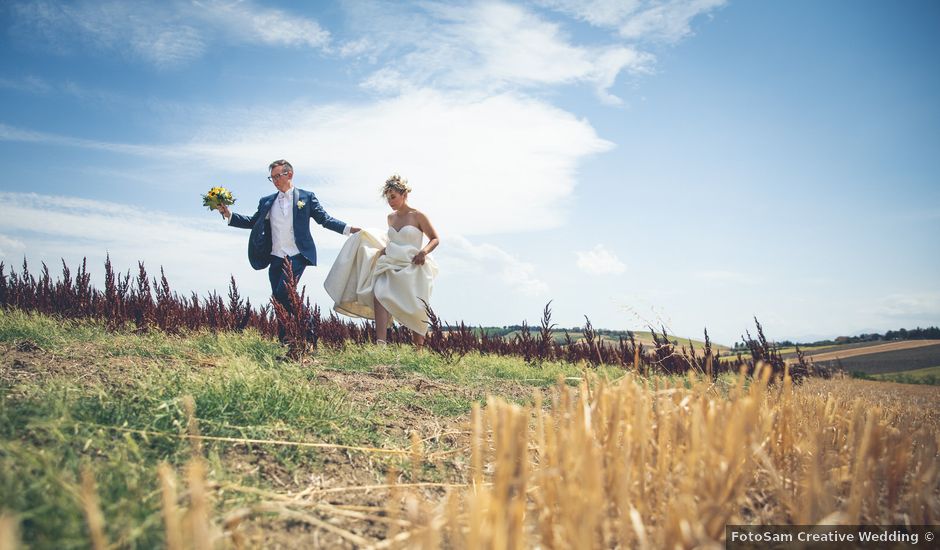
395 183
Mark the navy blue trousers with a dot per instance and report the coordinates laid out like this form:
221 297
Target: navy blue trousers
278 281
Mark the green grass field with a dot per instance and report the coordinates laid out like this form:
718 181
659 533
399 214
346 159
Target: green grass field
930 375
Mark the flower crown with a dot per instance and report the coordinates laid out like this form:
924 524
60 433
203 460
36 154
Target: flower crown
396 183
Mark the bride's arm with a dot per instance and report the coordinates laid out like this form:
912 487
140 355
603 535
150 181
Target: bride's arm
424 224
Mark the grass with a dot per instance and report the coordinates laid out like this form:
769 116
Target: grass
470 369
929 376
87 388
435 403
49 433
916 373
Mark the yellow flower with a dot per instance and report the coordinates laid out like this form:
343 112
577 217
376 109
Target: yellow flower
216 196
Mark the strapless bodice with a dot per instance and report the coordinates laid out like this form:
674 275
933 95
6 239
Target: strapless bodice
408 235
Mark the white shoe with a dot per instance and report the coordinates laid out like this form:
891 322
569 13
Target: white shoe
381 343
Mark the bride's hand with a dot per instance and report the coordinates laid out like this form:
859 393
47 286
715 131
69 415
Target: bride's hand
419 258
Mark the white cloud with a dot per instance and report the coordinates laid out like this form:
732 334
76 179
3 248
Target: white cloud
668 22
354 48
600 261
267 26
495 164
198 254
494 46
154 32
164 34
639 20
914 305
95 96
488 261
29 84
387 80
168 47
11 133
726 276
98 221
487 165
10 248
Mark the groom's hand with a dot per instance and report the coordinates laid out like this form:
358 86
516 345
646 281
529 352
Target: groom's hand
223 210
354 230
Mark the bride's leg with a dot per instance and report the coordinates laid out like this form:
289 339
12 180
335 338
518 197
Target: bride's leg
417 340
381 321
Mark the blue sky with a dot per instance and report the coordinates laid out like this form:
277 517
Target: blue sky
687 163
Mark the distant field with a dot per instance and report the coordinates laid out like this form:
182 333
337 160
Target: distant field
918 374
926 355
815 350
854 351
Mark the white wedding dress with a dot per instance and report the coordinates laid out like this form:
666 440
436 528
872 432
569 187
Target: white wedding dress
399 285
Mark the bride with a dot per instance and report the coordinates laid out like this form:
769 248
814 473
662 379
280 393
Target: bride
388 276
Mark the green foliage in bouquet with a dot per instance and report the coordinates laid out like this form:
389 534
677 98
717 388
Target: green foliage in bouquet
217 196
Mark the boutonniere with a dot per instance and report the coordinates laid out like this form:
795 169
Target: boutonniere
300 204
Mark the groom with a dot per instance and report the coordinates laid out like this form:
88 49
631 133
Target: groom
280 230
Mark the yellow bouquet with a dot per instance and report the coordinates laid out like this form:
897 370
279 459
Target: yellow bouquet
217 196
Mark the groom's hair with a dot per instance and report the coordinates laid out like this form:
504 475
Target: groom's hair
280 162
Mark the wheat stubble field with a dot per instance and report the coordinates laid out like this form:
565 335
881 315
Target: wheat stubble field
220 440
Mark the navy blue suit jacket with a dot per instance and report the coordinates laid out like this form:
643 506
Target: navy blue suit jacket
259 242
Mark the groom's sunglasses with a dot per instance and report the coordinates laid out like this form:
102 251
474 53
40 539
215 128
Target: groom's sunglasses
276 177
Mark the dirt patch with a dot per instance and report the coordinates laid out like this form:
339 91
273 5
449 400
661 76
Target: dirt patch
333 480
22 364
39 366
27 346
398 419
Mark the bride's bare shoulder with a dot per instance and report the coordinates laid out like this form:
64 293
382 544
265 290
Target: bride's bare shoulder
423 217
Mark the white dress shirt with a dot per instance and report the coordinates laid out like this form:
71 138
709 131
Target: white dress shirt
282 225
